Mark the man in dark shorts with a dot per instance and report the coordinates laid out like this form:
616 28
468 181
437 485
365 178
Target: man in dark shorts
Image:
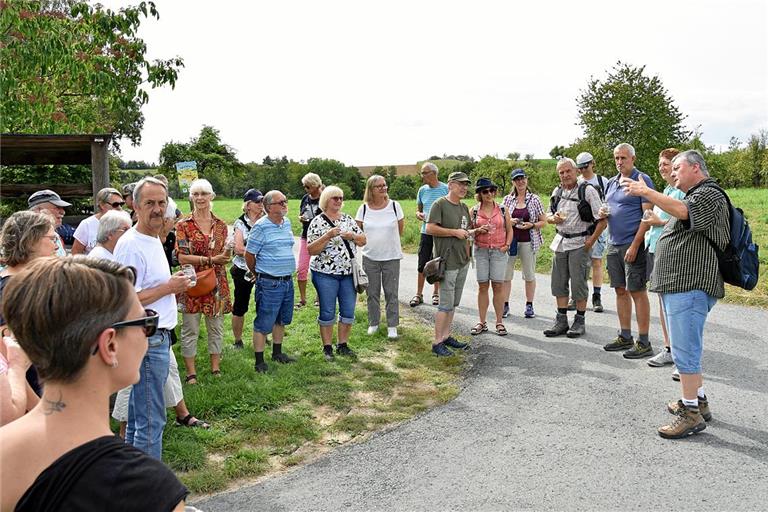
431 191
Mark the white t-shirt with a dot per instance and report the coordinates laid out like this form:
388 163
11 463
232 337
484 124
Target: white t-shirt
381 231
86 233
100 252
146 255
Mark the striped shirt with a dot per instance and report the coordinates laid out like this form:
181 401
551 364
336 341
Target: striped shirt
535 211
272 246
426 197
684 259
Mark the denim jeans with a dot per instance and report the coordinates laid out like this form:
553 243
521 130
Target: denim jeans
686 313
146 407
331 287
274 304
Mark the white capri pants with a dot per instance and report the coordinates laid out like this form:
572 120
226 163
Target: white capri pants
528 260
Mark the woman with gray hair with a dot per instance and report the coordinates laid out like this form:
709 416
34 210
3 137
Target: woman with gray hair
201 241
85 235
111 227
308 210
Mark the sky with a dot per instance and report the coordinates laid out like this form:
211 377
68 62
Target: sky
393 82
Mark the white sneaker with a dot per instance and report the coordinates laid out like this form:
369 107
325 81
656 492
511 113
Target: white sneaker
675 374
392 333
661 359
372 329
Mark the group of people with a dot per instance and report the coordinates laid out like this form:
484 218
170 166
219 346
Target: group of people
83 348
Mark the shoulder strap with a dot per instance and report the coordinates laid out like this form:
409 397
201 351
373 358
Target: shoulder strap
474 214
555 199
365 210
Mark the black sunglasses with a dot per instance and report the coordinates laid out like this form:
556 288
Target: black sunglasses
117 204
488 191
149 323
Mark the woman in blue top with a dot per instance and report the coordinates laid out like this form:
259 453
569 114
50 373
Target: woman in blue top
657 221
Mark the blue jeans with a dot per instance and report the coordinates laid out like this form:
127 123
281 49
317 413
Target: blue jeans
686 313
329 288
146 407
274 304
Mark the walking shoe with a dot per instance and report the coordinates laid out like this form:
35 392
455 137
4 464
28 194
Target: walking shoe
529 311
688 421
638 351
328 356
571 305
283 358
344 350
440 351
662 358
454 343
506 310
675 374
238 344
372 329
392 333
578 328
559 328
260 367
597 305
619 343
678 405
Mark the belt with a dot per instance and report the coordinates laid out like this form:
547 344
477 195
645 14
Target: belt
273 278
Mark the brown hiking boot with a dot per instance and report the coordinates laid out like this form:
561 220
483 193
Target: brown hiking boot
676 406
688 421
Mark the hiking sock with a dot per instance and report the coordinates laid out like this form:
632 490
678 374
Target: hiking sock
643 339
506 304
580 313
328 349
277 349
562 311
596 290
691 404
626 334
668 349
531 304
341 345
259 357
700 393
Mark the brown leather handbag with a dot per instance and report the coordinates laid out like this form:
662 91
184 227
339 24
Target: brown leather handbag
206 282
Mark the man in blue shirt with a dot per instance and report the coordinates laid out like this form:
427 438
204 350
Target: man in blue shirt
432 190
269 255
627 255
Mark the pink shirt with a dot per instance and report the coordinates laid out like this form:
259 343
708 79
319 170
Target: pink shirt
498 236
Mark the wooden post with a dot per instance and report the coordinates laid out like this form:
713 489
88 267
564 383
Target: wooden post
99 165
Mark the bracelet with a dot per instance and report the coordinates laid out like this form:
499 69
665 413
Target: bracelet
209 261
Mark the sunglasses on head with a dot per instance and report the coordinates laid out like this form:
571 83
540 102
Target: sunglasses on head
148 322
117 204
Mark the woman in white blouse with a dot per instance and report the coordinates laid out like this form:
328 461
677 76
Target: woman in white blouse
381 219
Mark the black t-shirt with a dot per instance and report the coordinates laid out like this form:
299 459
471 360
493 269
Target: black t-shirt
310 208
104 474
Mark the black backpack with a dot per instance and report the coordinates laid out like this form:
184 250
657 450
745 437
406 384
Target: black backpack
739 263
583 206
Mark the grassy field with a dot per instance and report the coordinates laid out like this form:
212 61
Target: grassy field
752 201
262 424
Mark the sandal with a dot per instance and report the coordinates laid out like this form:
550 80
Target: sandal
436 300
316 303
190 377
216 373
481 327
300 304
501 330
191 421
416 300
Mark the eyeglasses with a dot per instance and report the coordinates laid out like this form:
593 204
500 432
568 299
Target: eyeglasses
519 178
117 204
149 323
338 198
380 187
488 191
281 203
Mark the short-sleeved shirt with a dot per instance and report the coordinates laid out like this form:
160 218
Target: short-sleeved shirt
101 252
242 225
381 231
104 474
653 234
334 258
272 246
626 211
309 208
86 233
451 216
569 204
145 254
427 196
684 259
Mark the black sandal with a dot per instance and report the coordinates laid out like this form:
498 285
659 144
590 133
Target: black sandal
191 421
416 300
191 376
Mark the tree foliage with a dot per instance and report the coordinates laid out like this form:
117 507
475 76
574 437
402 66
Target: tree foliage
69 67
630 106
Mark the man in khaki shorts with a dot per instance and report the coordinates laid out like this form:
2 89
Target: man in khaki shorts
450 224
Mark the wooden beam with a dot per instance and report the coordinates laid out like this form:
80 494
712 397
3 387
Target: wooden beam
65 191
99 165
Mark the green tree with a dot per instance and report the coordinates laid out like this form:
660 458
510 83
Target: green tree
557 151
630 106
69 67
